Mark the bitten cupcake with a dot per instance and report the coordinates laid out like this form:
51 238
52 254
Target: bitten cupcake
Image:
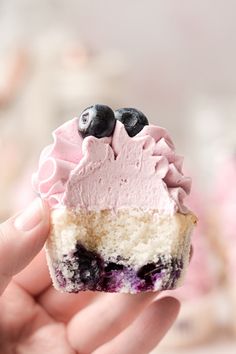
116 190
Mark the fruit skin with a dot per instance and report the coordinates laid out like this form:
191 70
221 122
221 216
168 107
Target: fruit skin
97 120
133 120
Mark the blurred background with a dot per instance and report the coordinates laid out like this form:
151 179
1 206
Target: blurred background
173 60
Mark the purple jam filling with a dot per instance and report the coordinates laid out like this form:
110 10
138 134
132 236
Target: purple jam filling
87 270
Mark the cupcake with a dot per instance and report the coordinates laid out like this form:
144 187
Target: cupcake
116 191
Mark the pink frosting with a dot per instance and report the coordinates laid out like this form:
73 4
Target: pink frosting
111 173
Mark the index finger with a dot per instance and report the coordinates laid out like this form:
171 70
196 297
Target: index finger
21 238
35 278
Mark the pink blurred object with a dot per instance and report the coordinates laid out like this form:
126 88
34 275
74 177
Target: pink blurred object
12 70
198 294
22 193
225 201
11 161
224 205
200 279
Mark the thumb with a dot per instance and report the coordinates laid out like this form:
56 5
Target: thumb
21 238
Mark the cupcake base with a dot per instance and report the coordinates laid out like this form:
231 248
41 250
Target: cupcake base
128 251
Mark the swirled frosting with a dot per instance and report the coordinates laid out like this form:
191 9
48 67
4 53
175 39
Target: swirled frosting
110 173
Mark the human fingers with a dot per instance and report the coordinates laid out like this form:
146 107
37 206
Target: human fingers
104 319
62 306
35 278
146 332
21 238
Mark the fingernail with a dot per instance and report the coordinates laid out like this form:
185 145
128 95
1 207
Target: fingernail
30 217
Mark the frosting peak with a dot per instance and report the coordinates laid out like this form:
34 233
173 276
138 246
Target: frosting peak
114 172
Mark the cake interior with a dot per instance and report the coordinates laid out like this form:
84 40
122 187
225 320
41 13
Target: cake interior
130 250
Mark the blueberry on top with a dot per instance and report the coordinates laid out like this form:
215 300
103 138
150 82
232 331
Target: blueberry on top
133 120
97 120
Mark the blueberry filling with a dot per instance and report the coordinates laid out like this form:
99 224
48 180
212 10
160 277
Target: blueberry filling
97 120
176 268
148 273
90 272
90 266
110 267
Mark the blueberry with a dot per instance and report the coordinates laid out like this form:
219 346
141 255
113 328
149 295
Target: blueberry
148 272
97 120
90 266
168 270
113 275
133 120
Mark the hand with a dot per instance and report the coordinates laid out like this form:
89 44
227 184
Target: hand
35 318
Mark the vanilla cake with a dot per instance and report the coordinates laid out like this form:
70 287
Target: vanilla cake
116 190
